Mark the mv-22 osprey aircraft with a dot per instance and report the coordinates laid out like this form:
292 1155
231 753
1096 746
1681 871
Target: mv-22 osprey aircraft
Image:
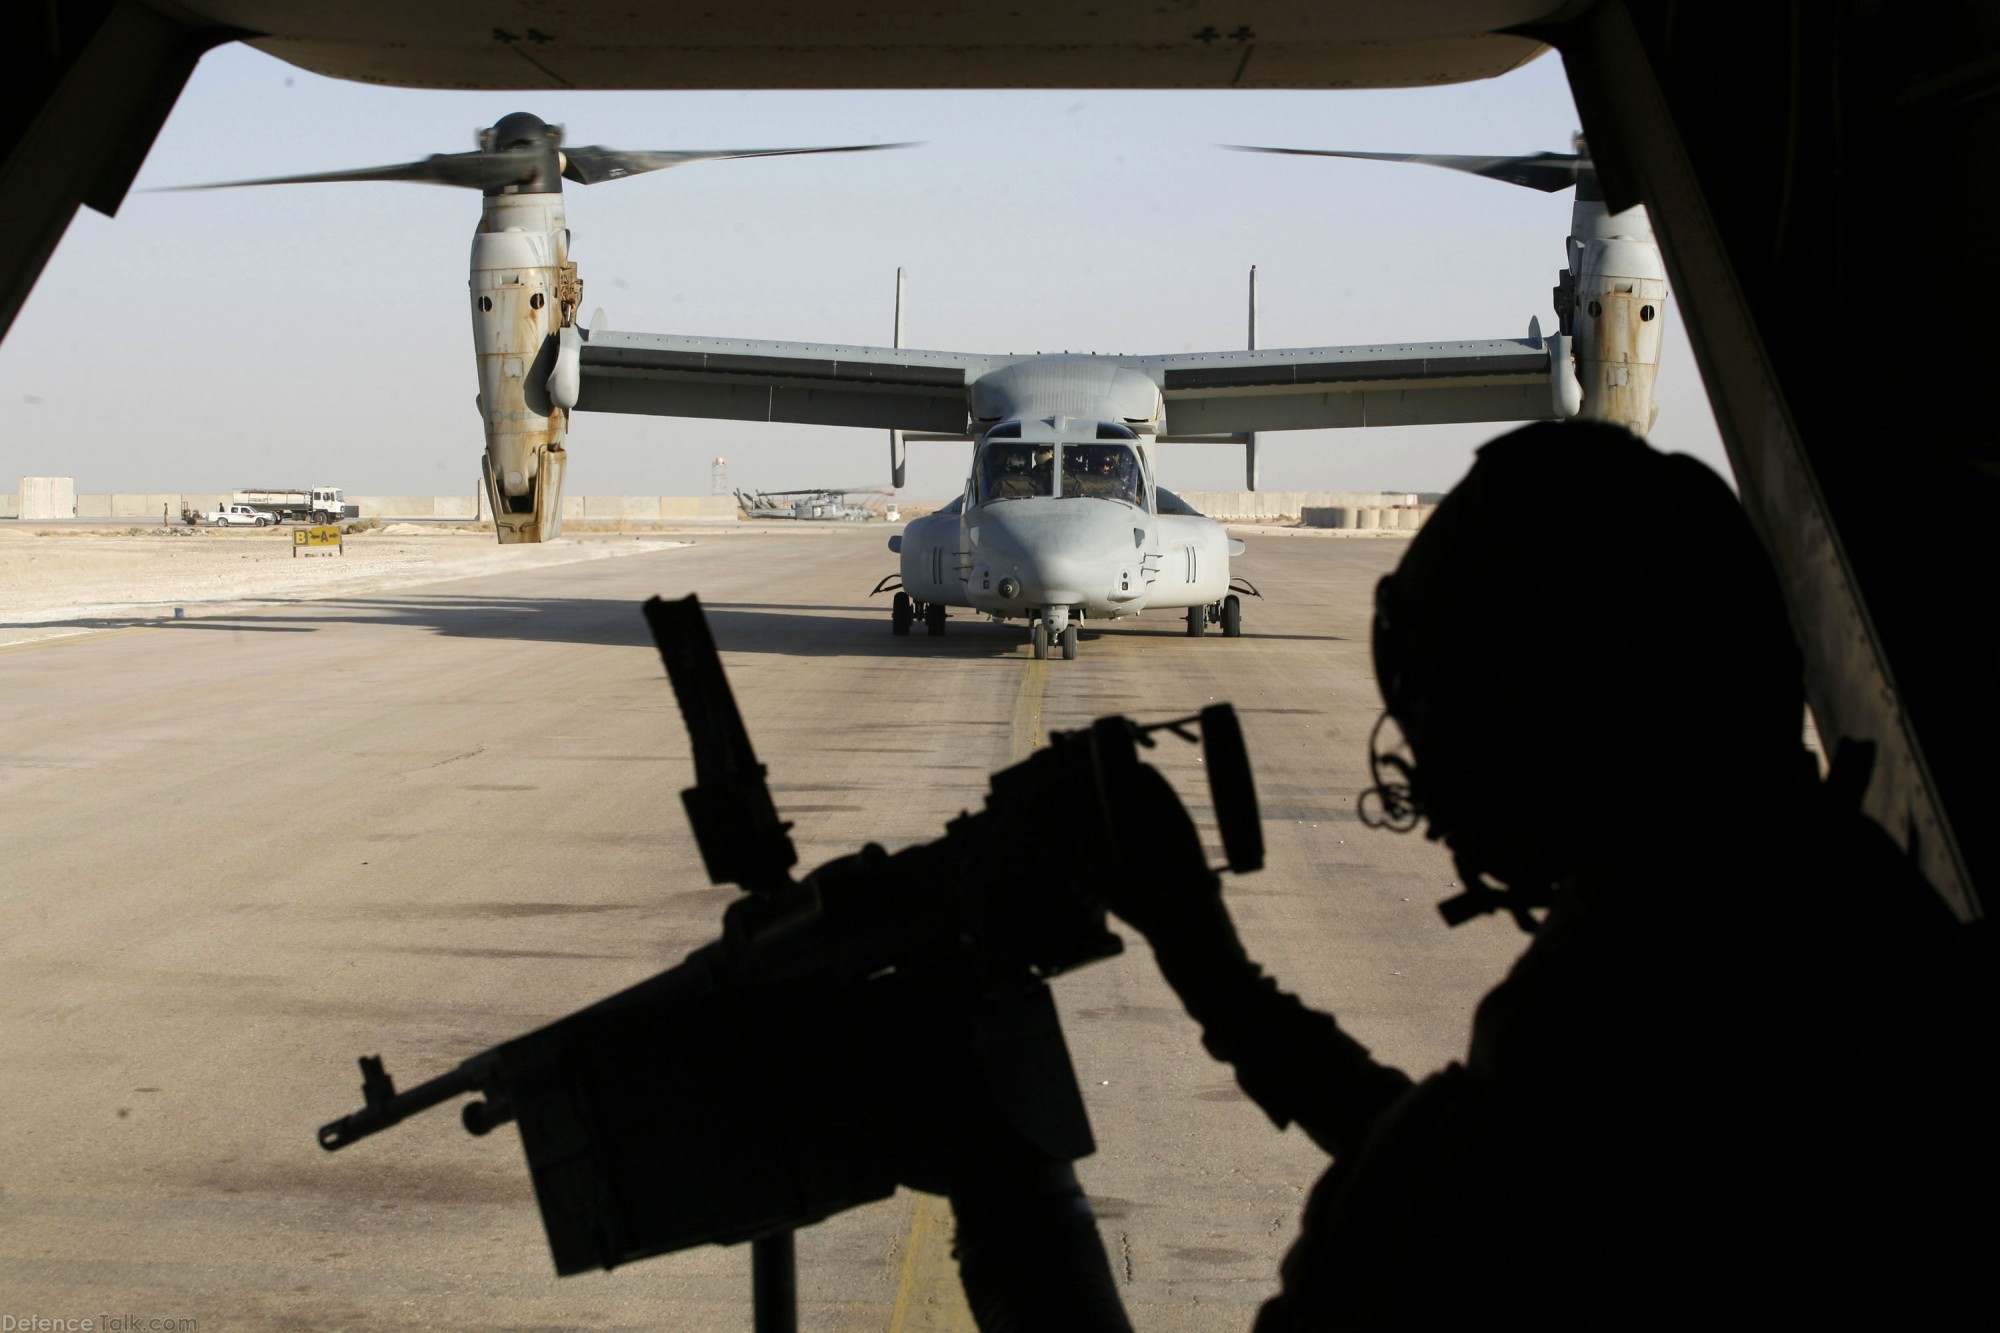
1062 518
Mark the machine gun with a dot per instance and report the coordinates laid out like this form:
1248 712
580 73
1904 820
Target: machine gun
754 1088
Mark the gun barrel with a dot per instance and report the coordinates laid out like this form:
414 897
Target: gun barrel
721 745
735 824
378 1116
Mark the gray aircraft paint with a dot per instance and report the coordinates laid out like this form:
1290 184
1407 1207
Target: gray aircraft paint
1181 394
1054 558
1057 556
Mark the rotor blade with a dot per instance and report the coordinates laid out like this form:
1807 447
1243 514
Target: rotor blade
589 165
1547 172
476 170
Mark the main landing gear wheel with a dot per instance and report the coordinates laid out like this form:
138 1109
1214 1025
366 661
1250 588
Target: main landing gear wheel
1069 642
1197 621
1039 637
934 619
900 614
1232 617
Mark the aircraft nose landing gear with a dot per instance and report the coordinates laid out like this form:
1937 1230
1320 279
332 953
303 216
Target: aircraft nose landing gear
1053 626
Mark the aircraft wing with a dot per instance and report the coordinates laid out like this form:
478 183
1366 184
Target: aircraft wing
1313 388
736 379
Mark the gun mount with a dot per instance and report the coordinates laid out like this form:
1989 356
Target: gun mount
752 1089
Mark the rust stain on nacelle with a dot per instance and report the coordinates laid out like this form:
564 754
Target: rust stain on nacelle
523 286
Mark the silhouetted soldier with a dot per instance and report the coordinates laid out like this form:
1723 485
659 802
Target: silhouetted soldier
1738 1073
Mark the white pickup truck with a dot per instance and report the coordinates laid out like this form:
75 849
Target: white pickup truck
232 516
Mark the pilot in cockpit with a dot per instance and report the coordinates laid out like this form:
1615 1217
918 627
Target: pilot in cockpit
1075 466
1116 471
1104 472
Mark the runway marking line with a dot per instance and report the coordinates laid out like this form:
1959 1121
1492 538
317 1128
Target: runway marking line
929 1295
85 636
1024 735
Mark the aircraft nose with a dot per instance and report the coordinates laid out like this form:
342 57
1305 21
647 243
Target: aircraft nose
1057 553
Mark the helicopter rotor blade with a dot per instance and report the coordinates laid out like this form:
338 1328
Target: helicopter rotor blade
515 153
475 170
595 163
1547 172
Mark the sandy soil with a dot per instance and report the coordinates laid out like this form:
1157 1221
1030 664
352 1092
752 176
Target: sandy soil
55 581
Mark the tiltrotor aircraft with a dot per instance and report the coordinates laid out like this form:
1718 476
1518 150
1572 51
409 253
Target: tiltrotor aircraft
1062 518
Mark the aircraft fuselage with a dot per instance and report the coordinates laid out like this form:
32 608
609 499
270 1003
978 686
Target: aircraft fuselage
1061 518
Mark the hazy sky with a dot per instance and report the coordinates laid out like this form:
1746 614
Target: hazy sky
317 334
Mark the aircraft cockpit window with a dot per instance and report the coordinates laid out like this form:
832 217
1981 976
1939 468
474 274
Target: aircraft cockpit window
1013 470
1101 472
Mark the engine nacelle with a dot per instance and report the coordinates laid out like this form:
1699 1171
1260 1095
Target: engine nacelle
1619 285
929 549
521 305
1193 568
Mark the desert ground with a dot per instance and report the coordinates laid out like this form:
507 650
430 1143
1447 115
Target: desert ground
423 797
58 580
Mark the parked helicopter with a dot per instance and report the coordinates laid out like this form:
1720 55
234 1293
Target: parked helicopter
816 504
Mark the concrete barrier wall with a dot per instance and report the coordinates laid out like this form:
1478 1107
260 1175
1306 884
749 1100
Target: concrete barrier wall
578 508
138 507
1399 518
48 497
56 498
698 508
621 506
397 506
134 506
1293 504
10 506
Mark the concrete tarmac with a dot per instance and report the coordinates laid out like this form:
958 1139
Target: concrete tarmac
237 852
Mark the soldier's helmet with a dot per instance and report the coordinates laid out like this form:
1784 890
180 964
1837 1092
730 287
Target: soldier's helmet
1585 625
